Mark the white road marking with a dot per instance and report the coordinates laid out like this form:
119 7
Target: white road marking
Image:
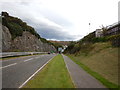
68 71
35 73
37 57
28 60
8 65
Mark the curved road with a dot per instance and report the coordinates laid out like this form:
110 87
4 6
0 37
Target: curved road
17 70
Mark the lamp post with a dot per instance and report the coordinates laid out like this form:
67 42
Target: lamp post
89 28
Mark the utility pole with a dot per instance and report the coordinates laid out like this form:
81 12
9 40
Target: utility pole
89 28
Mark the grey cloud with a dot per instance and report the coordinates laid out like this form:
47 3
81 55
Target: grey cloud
44 29
51 33
56 18
24 3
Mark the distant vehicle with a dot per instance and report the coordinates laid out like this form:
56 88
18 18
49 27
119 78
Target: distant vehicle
48 52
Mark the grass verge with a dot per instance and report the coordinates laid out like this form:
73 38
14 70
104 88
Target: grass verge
104 81
53 75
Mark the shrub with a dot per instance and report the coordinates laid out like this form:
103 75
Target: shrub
88 38
17 26
15 30
99 39
115 40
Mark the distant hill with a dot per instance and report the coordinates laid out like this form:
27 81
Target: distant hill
61 42
85 43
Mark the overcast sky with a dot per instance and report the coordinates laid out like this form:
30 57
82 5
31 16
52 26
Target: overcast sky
63 19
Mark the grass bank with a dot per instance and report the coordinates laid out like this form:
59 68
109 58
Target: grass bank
101 62
53 75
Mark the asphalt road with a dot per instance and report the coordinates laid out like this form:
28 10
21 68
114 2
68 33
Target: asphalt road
17 70
9 54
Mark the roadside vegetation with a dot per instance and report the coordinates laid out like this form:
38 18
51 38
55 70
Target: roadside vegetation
101 62
53 75
98 56
16 27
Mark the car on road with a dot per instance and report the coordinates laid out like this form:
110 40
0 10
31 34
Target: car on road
48 52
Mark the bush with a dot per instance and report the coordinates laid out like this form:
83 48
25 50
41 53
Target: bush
88 38
115 40
17 26
70 48
15 30
99 39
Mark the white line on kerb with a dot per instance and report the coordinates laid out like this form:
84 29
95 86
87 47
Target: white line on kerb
28 60
35 73
68 70
8 65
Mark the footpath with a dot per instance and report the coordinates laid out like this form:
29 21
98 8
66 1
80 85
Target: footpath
81 78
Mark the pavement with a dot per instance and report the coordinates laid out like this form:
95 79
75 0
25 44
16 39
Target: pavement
16 71
81 78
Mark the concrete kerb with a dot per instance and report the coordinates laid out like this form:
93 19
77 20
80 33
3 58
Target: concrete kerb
69 71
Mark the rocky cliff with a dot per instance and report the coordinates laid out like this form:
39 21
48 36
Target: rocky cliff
18 36
26 42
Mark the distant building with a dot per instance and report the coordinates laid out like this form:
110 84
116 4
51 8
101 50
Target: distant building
99 33
60 50
113 29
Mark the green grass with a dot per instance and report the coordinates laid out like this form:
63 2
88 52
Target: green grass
104 81
53 75
103 59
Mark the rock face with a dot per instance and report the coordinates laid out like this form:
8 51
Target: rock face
26 42
6 39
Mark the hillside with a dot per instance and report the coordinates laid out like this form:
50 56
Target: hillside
18 36
103 59
16 26
98 56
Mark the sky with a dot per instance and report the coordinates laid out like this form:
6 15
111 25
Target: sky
63 20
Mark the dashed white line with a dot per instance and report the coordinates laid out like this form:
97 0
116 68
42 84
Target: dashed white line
8 65
28 60
37 57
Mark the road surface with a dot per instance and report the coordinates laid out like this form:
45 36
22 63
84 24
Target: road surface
9 54
17 70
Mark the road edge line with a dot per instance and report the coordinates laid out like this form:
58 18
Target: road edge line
69 71
35 72
8 65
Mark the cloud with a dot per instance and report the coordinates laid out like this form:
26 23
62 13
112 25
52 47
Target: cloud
55 34
63 19
51 30
47 23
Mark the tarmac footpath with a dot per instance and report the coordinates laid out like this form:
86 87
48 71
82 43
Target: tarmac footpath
81 78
